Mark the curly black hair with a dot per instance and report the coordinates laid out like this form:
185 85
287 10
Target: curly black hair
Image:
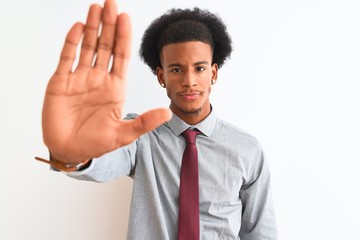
182 25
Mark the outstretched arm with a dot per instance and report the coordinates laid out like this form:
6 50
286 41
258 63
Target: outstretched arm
83 108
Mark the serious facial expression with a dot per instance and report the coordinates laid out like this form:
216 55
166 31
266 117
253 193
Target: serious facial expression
187 74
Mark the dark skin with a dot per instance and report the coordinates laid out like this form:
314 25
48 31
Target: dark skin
82 111
187 74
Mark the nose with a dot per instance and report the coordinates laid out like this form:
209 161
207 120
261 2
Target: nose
189 80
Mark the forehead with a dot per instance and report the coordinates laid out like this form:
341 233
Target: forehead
185 52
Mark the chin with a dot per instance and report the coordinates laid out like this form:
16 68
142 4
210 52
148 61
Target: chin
192 111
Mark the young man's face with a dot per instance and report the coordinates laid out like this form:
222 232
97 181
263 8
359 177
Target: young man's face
187 74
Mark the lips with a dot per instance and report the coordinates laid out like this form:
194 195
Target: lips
190 95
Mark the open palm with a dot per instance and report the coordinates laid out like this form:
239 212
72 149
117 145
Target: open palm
83 108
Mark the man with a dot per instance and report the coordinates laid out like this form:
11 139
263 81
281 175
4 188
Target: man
86 137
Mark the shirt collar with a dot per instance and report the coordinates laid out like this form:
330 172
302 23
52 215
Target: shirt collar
206 126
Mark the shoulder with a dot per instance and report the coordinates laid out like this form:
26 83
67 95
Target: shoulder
235 135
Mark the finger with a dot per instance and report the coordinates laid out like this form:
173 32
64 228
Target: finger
122 49
68 52
91 36
107 37
131 130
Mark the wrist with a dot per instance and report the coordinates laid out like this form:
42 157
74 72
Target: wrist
64 166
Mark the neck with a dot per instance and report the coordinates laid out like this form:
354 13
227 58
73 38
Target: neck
193 117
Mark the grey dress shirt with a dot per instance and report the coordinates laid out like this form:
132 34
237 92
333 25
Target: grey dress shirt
234 182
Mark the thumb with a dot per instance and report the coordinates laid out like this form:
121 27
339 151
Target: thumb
148 121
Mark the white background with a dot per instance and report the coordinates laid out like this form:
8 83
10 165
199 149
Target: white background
292 81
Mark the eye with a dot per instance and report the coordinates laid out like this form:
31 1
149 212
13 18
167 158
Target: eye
175 70
200 69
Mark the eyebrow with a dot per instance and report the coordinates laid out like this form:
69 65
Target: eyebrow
179 65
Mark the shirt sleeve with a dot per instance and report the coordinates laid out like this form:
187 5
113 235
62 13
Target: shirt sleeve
258 218
120 162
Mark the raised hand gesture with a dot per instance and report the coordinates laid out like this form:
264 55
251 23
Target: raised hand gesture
83 107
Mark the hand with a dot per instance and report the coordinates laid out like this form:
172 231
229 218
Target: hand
83 108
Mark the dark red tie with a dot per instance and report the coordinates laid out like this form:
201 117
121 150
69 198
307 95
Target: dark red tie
188 225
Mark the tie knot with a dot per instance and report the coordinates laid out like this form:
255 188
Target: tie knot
190 135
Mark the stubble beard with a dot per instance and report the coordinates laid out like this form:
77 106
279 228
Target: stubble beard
192 113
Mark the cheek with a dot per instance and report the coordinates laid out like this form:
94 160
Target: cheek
168 91
172 86
209 89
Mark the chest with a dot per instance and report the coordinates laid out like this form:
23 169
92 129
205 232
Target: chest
222 168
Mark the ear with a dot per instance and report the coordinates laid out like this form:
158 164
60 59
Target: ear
214 73
160 76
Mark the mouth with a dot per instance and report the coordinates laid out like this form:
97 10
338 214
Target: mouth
190 95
